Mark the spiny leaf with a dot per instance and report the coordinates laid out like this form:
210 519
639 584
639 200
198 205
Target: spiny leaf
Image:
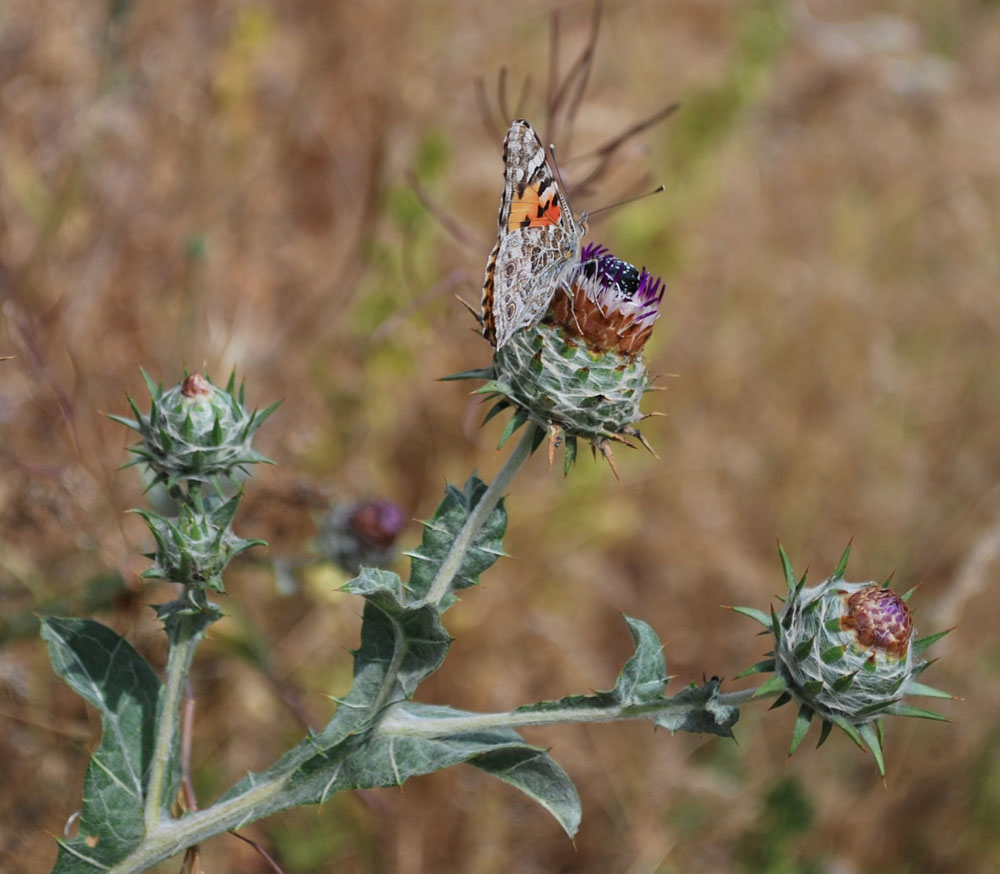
497 408
644 677
570 455
848 729
519 418
391 759
642 682
780 701
477 373
900 708
400 646
408 641
926 691
153 389
777 683
440 532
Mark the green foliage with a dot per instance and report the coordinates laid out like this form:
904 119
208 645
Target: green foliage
441 530
378 736
639 692
106 671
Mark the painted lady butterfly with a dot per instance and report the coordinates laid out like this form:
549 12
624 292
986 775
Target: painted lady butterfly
538 244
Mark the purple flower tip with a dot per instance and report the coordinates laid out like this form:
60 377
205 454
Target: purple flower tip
880 619
378 522
617 286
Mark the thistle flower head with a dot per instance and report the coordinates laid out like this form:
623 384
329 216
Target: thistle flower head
613 306
880 619
579 372
844 651
360 534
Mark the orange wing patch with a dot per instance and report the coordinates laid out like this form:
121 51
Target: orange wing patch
530 211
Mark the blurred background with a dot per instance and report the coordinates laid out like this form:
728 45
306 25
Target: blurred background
298 190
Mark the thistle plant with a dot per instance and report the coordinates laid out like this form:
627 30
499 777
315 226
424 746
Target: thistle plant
843 651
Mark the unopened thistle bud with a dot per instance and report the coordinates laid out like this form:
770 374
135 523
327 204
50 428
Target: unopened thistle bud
194 548
844 652
195 431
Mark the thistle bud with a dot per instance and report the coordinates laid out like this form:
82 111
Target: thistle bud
844 651
194 548
360 534
195 431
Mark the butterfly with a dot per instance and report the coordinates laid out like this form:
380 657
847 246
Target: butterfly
538 243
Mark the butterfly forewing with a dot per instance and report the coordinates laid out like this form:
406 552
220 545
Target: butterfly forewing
537 244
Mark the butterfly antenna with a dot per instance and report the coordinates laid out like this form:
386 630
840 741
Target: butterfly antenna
628 200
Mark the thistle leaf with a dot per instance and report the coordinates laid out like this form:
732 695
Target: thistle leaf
919 646
838 571
440 532
900 708
777 683
400 646
105 670
642 682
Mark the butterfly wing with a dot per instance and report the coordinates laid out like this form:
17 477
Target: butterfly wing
537 239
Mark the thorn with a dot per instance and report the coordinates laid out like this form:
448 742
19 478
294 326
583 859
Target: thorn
645 443
610 458
618 438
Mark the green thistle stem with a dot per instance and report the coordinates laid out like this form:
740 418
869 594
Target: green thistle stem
441 583
170 837
184 633
393 726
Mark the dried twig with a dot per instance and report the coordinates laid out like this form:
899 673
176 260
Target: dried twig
486 111
607 152
442 216
274 866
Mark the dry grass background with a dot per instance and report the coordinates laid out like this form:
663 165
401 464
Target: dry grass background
223 185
